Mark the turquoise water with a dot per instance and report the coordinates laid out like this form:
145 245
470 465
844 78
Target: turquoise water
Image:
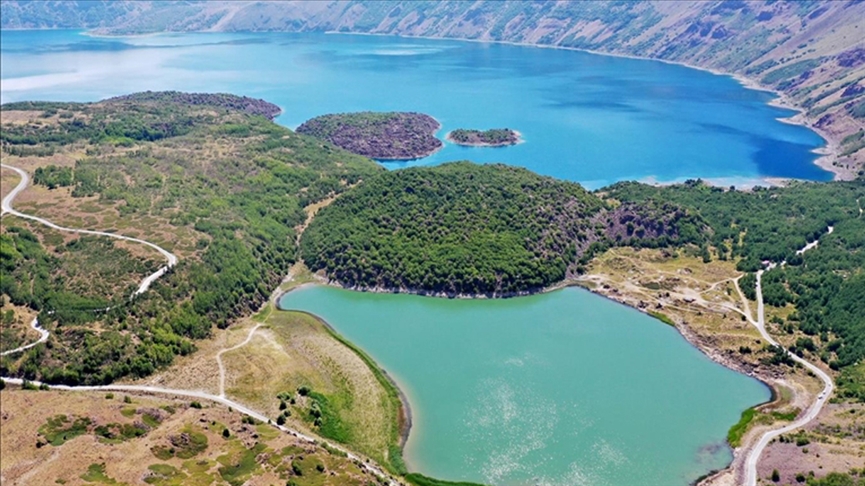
565 388
589 118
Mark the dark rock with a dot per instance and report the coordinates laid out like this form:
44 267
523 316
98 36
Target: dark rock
386 136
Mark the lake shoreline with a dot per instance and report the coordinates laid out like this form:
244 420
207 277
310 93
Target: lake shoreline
685 332
405 415
828 153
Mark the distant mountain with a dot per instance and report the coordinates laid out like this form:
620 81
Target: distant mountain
812 51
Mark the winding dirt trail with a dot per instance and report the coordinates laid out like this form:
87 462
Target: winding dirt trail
222 366
6 207
145 284
811 413
42 338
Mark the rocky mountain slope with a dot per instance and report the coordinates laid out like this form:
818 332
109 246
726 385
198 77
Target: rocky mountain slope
811 51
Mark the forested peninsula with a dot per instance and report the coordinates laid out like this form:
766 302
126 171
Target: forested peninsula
467 229
382 136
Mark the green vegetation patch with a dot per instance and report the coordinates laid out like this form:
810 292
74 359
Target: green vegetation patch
189 443
663 318
836 479
790 71
851 383
326 418
737 431
61 428
96 474
114 433
853 143
52 176
165 475
493 137
237 468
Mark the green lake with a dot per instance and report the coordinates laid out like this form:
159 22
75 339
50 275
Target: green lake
563 388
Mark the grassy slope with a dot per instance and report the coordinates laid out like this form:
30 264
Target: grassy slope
294 350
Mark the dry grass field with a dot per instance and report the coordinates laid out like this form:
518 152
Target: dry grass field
835 441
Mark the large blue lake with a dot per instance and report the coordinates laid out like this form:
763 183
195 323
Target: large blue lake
589 118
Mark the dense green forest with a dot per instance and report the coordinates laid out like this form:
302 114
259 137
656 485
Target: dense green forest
462 228
388 135
826 283
166 163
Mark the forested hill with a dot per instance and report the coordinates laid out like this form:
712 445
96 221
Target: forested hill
462 228
811 50
208 177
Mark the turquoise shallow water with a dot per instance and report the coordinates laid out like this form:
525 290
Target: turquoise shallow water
565 388
589 118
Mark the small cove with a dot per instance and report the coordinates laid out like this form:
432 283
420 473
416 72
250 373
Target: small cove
554 389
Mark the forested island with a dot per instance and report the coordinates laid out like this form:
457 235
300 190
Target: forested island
382 136
495 137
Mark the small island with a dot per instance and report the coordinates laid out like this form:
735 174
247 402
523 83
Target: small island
496 137
382 136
